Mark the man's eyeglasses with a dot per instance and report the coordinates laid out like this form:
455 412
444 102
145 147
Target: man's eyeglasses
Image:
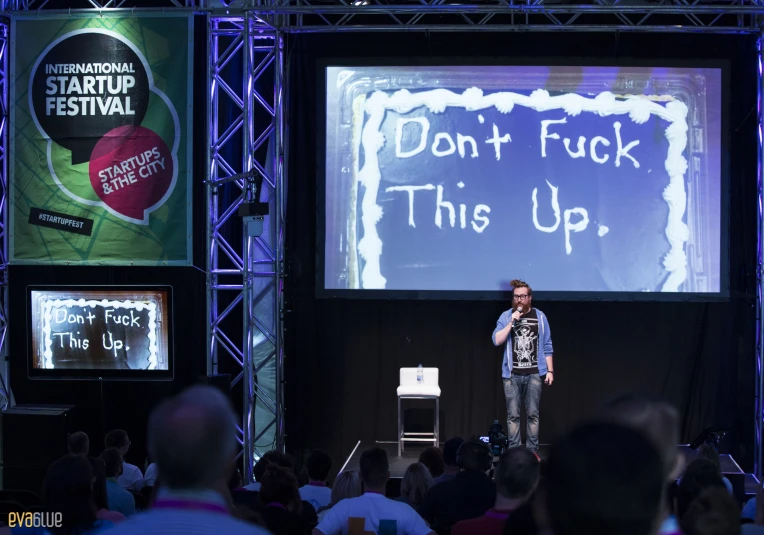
520 297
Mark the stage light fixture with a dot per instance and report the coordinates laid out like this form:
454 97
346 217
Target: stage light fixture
710 435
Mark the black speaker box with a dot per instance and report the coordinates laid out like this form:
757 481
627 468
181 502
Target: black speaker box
34 436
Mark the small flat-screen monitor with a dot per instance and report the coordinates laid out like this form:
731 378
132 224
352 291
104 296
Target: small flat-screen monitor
111 332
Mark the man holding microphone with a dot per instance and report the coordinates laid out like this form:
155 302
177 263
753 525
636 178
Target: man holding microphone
526 364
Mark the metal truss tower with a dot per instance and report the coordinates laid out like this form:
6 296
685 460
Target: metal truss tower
759 404
6 396
245 166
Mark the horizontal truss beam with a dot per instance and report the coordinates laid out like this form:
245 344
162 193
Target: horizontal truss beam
520 27
514 9
604 8
306 16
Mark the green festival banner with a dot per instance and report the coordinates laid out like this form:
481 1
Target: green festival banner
100 140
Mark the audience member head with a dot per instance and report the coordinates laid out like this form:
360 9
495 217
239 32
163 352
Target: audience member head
602 479
432 458
78 444
259 470
112 461
271 457
191 438
68 489
346 485
713 512
375 469
474 456
657 420
701 474
450 449
319 464
279 485
517 474
100 498
117 438
709 451
416 482
279 459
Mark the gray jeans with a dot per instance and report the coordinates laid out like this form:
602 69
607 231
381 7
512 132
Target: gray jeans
525 388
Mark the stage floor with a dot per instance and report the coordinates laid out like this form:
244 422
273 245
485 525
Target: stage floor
398 465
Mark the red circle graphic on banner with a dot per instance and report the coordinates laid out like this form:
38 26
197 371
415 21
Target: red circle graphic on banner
131 169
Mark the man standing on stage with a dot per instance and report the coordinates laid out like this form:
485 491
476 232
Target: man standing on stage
527 362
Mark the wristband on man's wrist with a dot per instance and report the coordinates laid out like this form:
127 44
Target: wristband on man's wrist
550 371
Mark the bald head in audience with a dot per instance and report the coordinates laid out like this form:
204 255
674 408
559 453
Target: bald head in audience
602 479
655 419
192 439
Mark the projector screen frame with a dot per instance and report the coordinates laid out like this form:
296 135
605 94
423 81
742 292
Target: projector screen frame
321 292
102 374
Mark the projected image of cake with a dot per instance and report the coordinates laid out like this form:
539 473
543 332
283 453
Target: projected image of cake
99 330
464 188
68 325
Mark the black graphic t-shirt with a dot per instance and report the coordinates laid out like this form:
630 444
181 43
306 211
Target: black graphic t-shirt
525 344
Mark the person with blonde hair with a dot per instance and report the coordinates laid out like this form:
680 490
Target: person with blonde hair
417 481
346 485
527 362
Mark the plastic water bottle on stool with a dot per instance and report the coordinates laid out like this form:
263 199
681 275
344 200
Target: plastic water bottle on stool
419 375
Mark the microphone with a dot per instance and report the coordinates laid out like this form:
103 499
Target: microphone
520 310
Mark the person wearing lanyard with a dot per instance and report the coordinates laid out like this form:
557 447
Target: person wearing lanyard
372 511
516 476
192 440
316 493
281 503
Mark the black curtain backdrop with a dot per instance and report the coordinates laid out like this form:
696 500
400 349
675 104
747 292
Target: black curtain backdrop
101 406
343 356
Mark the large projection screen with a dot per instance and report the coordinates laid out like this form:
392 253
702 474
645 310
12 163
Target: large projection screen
599 181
